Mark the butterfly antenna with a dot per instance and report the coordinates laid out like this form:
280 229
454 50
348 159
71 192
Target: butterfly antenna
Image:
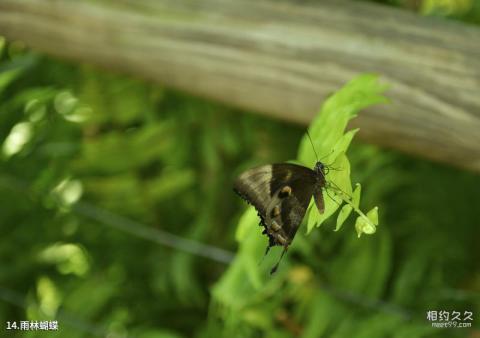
330 153
313 147
275 267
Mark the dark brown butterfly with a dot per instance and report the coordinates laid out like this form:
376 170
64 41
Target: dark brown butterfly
281 194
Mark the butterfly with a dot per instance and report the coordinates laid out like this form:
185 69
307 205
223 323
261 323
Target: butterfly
281 194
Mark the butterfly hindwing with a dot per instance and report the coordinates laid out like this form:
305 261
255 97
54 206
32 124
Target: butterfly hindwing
253 186
281 194
284 215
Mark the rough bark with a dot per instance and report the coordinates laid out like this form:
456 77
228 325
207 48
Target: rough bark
282 59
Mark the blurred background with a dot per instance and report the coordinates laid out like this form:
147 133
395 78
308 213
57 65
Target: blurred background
118 217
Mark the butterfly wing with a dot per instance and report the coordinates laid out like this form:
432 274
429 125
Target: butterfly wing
281 194
288 207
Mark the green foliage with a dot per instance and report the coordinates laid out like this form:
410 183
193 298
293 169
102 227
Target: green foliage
73 134
327 133
251 281
347 208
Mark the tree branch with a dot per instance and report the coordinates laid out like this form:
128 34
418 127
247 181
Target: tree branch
281 59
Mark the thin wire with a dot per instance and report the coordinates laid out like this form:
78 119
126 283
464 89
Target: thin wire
154 235
164 238
215 253
131 227
375 304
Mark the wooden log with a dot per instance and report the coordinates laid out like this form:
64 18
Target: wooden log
282 59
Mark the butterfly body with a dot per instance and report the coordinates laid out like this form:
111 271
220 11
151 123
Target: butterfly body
281 194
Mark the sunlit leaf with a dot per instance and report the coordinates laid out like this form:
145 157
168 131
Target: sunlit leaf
347 208
245 225
367 225
330 143
343 215
373 215
329 125
338 184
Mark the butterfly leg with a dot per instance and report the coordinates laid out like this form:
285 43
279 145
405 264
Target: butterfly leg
333 199
275 267
265 254
333 186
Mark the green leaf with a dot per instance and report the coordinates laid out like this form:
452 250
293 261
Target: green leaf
373 215
330 142
367 224
338 178
341 146
347 208
338 184
343 215
329 125
356 195
246 223
315 218
9 71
